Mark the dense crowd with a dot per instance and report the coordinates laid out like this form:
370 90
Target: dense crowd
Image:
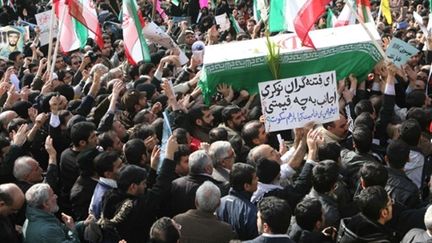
83 157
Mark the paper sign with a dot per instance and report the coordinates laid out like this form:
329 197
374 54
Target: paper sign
293 102
223 21
12 38
400 52
43 21
419 20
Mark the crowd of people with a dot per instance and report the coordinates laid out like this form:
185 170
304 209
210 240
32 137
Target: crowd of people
83 158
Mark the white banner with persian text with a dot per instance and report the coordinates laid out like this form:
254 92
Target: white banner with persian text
292 102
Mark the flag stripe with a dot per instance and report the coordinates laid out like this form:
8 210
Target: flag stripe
307 17
69 39
278 18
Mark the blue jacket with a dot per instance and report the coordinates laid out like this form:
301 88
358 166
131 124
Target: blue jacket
96 201
237 210
43 227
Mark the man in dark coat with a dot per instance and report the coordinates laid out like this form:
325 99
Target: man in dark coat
11 200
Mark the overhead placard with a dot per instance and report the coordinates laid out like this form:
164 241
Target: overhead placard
43 21
400 52
293 102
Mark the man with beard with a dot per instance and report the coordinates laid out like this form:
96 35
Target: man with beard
12 38
201 122
233 120
41 224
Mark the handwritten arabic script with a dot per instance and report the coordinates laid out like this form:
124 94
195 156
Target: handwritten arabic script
292 102
400 52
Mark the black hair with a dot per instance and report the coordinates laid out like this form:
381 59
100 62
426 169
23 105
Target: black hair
81 131
410 132
363 106
308 212
106 140
143 132
197 113
218 134
398 154
373 174
324 176
183 150
420 116
365 119
228 111
130 174
267 170
371 201
164 231
105 162
276 213
415 98
241 173
181 135
362 139
329 151
134 150
85 160
250 132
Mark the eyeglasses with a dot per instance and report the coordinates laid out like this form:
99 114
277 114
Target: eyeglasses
76 63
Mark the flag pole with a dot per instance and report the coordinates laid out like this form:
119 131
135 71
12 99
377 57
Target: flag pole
154 9
50 35
377 45
379 15
57 44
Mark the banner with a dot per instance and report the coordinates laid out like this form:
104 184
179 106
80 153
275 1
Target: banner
293 102
12 38
400 52
43 21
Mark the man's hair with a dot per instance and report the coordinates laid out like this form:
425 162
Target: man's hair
181 134
198 162
105 139
324 176
241 173
81 131
105 162
250 132
228 111
218 134
276 213
267 170
329 151
85 161
183 150
218 151
415 98
373 174
164 231
371 201
37 195
362 139
197 113
144 131
363 106
308 212
207 197
420 116
130 174
133 151
428 218
22 167
410 132
398 154
13 55
365 119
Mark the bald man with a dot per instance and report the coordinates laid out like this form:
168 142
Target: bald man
11 200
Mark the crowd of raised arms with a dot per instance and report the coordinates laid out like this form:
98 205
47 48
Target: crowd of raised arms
83 158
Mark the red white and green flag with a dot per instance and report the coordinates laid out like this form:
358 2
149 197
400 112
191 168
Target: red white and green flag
73 35
347 17
296 15
135 44
235 25
85 12
331 19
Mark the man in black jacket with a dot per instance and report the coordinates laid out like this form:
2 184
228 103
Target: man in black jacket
11 200
376 208
400 188
131 209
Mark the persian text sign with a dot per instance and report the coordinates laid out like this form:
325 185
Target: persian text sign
293 102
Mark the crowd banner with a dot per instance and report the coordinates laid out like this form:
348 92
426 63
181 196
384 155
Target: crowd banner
243 64
12 38
400 52
43 21
292 102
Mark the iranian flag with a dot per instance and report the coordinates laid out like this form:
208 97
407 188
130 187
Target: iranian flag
135 45
347 17
296 15
85 12
331 19
73 35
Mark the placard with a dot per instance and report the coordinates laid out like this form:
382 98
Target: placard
43 21
293 102
12 38
400 52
